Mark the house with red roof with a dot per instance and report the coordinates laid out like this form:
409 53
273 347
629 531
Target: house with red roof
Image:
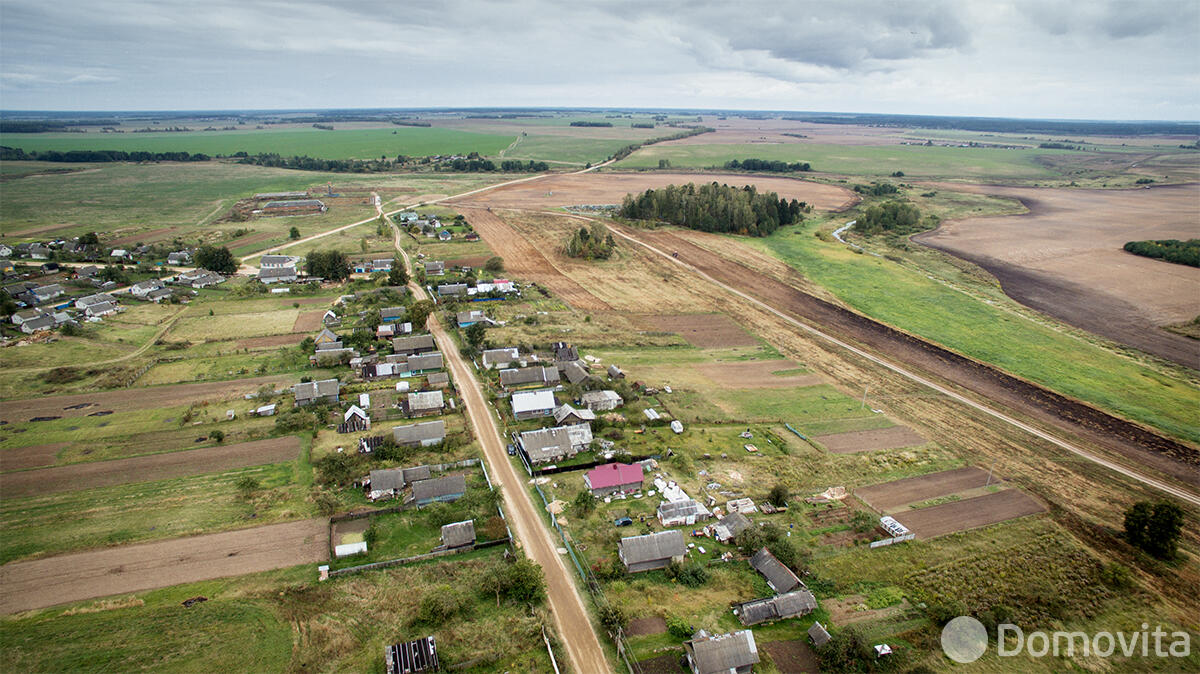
614 477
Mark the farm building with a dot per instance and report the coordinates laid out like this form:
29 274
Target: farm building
435 268
199 278
781 606
412 657
372 266
612 478
532 404
413 345
330 319
425 403
528 375
452 290
437 379
730 526
600 401
392 314
675 513
46 293
354 419
652 551
459 535
615 372
324 391
102 309
87 271
500 357
121 254
574 371
272 196
143 288
445 235
423 434
547 445
730 653
264 411
90 300
818 634
294 207
390 482
442 489
566 415
277 261
779 577
277 275
494 286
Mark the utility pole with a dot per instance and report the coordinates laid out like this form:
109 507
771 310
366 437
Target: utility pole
864 400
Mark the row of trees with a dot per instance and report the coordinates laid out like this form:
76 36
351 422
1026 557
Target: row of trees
1171 250
98 156
712 207
479 165
593 243
767 165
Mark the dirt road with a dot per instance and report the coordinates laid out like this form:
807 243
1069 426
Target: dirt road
147 468
1139 447
566 604
132 568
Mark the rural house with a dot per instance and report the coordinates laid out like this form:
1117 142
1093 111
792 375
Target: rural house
388 330
277 261
512 378
46 293
199 278
85 302
425 404
435 268
466 319
144 288
424 362
452 290
442 489
779 577
574 371
730 653
532 404
392 314
781 606
601 401
101 309
436 379
676 513
414 344
87 271
277 275
459 535
40 322
652 551
389 482
326 336
546 445
613 478
424 434
565 415
730 526
324 391
179 258
500 358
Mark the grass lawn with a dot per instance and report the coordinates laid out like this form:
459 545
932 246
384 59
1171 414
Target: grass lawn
235 326
866 160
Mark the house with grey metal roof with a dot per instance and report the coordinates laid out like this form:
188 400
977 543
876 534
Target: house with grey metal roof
452 290
532 404
565 415
424 362
615 372
425 403
442 489
779 577
730 526
423 434
438 379
782 606
525 376
547 445
41 322
435 268
500 357
458 535
574 371
324 391
413 344
277 275
652 551
818 634
730 653
46 293
600 401
101 309
389 482
675 513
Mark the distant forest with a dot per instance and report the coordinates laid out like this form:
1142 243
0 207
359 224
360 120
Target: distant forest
1171 250
768 165
97 156
583 123
1003 125
714 208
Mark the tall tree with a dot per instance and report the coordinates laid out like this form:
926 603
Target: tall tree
218 259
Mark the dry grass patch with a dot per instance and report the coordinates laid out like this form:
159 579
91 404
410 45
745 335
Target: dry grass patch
236 326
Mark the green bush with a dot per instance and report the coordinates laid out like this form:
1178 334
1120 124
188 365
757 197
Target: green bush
678 627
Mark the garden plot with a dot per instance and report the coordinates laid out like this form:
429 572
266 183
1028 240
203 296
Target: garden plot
236 326
895 437
702 330
970 513
891 496
759 374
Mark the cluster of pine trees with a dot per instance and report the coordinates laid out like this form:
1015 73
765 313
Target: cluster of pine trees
1171 250
593 243
890 216
715 208
768 165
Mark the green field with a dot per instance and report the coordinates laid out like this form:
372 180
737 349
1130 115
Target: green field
337 144
909 299
914 161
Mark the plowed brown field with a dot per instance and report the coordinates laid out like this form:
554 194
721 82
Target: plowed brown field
970 513
884 497
702 330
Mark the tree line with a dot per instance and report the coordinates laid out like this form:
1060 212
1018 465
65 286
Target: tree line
891 216
487 166
767 165
633 147
712 207
582 123
97 156
1171 250
593 243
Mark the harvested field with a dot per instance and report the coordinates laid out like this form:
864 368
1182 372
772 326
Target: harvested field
611 188
308 321
792 657
140 237
270 341
148 468
702 330
83 404
758 374
890 495
472 262
651 625
1145 447
29 457
1064 257
971 513
523 260
866 441
133 568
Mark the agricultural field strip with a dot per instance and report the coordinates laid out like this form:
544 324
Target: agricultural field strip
567 606
132 568
884 497
147 468
1188 496
970 513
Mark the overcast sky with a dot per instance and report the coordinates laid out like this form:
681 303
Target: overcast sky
1037 58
